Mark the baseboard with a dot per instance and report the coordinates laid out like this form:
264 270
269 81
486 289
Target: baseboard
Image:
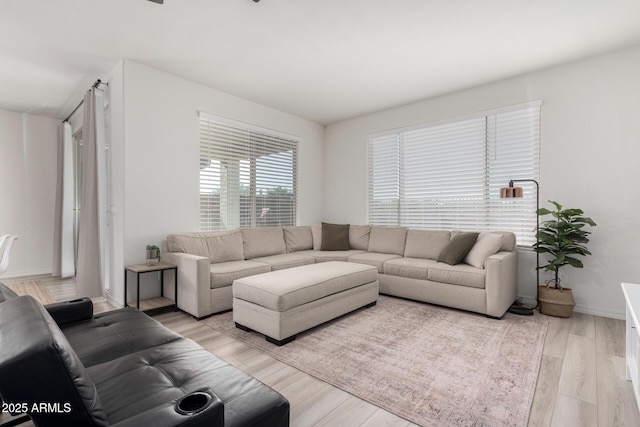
581 309
601 313
527 300
25 274
113 302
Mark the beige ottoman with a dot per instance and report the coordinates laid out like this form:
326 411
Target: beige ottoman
282 303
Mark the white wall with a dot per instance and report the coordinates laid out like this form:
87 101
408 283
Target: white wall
590 151
28 157
590 130
161 156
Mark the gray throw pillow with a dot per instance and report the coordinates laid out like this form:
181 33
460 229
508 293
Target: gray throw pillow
458 248
335 237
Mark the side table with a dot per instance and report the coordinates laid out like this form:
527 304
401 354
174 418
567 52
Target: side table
153 303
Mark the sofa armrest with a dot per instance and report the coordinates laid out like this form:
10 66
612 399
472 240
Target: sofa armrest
37 364
71 311
170 415
6 293
194 282
501 283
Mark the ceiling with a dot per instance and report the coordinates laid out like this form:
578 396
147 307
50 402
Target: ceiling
325 60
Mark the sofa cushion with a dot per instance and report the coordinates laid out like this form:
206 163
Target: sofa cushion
224 273
278 262
413 268
458 248
153 379
188 243
325 256
217 246
460 274
298 238
138 381
115 333
335 237
508 241
387 240
263 241
375 259
426 243
225 247
359 237
486 245
286 289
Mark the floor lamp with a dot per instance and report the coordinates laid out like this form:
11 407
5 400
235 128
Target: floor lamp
513 192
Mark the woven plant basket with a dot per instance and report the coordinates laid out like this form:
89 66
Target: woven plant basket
556 302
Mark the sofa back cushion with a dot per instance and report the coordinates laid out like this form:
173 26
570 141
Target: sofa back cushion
298 238
387 240
217 246
225 247
263 241
508 240
426 244
188 243
359 237
37 364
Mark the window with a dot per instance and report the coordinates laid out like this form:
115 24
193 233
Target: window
449 175
247 176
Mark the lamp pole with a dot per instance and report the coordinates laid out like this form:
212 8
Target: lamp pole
537 231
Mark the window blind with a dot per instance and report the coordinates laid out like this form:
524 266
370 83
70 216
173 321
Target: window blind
384 180
248 176
448 176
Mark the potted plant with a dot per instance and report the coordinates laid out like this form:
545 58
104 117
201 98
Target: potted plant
564 238
153 254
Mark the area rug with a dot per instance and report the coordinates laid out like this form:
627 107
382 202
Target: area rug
34 288
430 365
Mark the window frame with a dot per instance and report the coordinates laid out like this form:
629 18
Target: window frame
502 214
251 172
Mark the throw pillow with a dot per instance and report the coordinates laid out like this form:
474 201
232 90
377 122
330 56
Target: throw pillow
486 245
458 248
316 235
335 237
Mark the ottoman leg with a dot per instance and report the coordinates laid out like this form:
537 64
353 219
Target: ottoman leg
242 327
280 342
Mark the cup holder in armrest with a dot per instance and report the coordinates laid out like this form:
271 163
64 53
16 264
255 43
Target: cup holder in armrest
193 403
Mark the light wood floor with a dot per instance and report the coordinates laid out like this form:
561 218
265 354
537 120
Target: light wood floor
581 382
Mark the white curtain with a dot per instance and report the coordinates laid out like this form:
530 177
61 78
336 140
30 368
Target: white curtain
91 231
63 251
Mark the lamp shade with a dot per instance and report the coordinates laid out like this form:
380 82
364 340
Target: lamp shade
511 192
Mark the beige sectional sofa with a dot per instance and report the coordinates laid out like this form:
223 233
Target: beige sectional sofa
406 259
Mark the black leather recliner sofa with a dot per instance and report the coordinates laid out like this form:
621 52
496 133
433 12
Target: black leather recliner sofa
64 366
